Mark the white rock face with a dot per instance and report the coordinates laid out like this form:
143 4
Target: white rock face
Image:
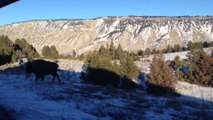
133 33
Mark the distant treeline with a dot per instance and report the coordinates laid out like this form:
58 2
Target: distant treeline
12 51
176 48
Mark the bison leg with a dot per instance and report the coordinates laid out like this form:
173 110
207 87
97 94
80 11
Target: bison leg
53 77
56 75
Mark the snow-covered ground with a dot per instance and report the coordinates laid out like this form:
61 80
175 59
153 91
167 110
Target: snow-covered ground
72 100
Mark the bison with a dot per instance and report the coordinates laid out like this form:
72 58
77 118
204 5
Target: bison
41 68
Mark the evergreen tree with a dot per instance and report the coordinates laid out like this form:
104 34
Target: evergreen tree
154 51
176 63
54 52
6 46
204 72
161 75
112 50
168 49
194 55
140 53
128 67
147 51
74 53
81 57
190 45
103 51
46 51
177 48
119 53
7 52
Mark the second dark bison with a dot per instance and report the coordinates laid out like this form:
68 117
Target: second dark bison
41 68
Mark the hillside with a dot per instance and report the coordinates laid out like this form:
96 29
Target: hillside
133 33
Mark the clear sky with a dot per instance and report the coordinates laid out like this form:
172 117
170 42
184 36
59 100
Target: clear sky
72 9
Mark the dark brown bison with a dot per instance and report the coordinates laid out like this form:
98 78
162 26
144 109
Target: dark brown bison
41 68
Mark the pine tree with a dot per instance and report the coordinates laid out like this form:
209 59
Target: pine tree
193 56
204 72
119 53
176 63
154 51
81 57
177 48
161 75
147 51
54 52
6 50
190 45
74 53
46 51
103 51
6 46
140 53
128 67
112 50
168 49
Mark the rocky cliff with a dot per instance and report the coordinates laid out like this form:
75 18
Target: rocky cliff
133 33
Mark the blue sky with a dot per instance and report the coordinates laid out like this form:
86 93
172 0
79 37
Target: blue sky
72 9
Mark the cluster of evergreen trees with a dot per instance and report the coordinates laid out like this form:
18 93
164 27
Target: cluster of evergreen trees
196 69
109 65
23 49
50 52
10 51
